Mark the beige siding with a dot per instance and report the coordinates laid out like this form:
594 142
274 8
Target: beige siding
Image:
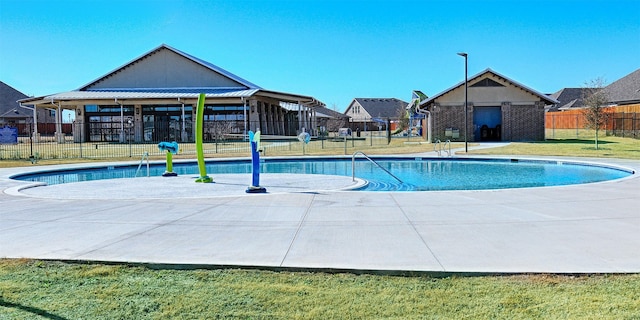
489 96
165 69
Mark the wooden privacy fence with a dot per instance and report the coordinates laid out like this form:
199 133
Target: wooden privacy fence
623 121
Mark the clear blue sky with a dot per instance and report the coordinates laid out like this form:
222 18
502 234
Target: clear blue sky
332 50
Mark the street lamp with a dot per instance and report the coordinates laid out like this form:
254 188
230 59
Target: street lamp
464 54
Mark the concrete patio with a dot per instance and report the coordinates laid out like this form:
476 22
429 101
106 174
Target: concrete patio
312 222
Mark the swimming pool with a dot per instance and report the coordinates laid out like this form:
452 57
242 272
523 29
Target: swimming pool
415 174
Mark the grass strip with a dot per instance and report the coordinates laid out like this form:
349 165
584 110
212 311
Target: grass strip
58 290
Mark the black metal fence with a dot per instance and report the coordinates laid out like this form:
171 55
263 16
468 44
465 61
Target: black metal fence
100 141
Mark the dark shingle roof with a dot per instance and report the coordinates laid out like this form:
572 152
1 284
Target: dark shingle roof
569 98
323 111
381 107
626 90
8 102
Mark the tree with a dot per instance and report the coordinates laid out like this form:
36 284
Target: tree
333 124
595 99
218 129
403 118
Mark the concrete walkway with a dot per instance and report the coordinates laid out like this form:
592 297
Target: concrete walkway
313 222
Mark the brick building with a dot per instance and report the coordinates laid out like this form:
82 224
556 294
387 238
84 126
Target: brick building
499 109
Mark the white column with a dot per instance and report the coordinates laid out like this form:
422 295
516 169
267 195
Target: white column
300 119
59 133
35 124
183 131
254 120
280 120
121 124
138 123
78 125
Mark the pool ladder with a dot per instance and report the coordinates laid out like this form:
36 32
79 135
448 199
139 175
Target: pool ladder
144 156
438 147
353 166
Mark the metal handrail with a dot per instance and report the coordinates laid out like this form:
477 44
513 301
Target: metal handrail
144 156
447 143
353 166
437 148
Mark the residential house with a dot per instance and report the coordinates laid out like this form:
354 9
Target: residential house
371 114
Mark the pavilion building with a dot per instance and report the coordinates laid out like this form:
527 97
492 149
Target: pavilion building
154 98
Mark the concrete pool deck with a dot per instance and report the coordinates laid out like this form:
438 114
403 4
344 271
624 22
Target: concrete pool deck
303 223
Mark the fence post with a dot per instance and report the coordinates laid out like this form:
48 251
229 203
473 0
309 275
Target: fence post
553 126
623 127
633 122
577 132
80 130
345 145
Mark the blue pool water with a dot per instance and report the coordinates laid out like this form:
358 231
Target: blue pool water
416 174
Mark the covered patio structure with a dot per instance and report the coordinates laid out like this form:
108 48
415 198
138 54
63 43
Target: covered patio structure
154 98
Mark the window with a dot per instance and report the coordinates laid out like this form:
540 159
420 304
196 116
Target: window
92 108
486 82
165 109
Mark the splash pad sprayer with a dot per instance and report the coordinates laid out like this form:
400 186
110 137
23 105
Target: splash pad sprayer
254 139
204 178
171 148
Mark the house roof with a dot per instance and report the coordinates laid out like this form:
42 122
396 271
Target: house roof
201 62
626 90
568 98
542 96
9 107
381 107
324 112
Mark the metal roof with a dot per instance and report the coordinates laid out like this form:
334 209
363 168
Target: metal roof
146 94
169 93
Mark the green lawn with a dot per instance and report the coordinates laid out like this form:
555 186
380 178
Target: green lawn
608 147
57 290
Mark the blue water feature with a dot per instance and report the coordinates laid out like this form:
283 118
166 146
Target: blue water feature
416 174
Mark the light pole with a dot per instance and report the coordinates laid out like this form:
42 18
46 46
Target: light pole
464 54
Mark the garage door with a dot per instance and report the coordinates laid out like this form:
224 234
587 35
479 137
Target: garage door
486 123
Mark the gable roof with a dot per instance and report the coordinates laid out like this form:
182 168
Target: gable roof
381 107
9 107
626 90
146 61
542 96
136 80
568 98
